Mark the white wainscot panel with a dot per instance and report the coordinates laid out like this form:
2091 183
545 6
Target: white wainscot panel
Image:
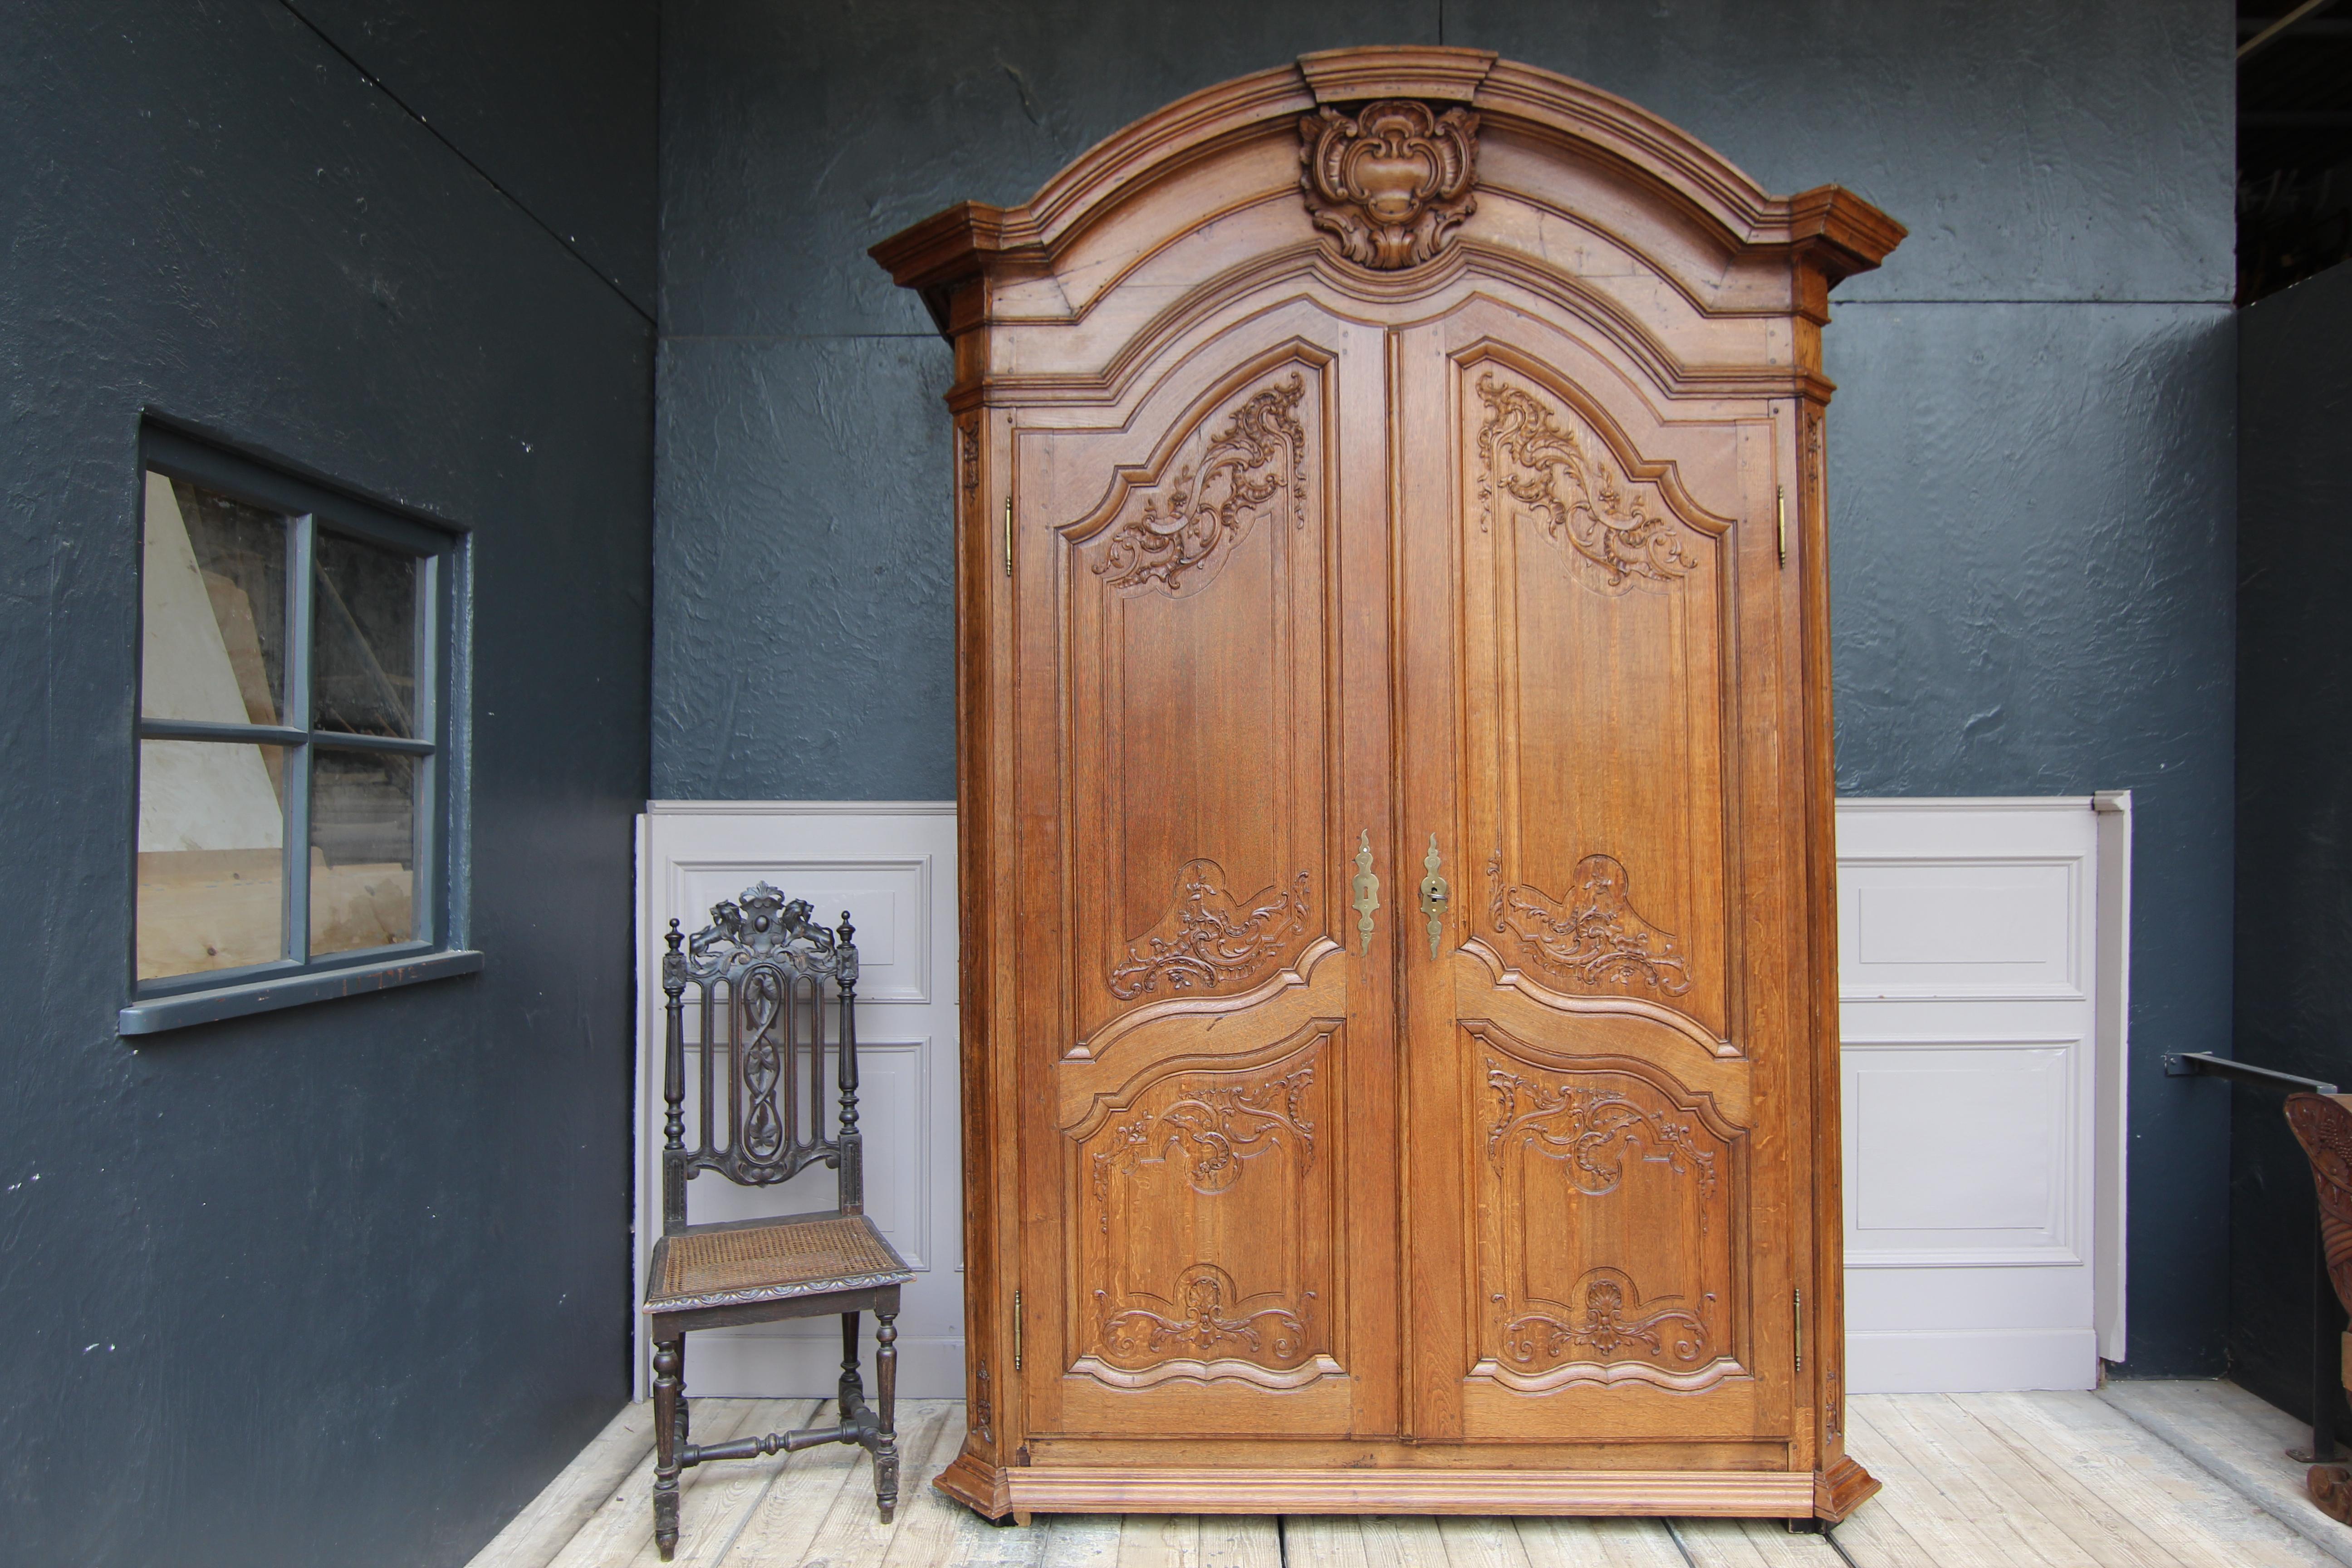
893 1094
1961 1153
889 895
892 866
1957 929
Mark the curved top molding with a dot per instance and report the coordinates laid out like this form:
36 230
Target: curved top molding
1838 233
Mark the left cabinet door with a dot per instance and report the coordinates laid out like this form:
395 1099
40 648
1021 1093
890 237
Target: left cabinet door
1205 1047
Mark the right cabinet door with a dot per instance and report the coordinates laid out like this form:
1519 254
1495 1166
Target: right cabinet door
1596 759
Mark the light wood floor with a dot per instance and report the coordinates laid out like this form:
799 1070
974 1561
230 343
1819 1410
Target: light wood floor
2138 1476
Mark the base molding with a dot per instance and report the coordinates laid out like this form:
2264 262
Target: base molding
1839 1490
977 1484
993 1491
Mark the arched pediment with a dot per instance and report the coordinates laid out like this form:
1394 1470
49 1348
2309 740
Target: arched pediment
1390 127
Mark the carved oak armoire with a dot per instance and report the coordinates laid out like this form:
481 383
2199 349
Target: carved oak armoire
1399 1048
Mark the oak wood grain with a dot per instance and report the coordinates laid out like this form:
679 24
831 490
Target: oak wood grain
1394 778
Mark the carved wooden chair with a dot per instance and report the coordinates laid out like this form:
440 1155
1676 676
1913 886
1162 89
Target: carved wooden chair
758 971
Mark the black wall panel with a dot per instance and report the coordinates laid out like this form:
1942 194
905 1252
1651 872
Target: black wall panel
2030 474
345 1283
2294 805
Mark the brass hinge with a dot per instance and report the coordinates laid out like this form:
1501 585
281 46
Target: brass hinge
1008 537
1801 1330
1781 501
1017 1330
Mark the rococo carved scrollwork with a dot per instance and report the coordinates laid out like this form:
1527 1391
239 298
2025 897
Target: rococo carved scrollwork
1592 938
1391 182
1207 1317
1216 940
1260 455
1210 1133
1542 463
1611 1327
1593 1130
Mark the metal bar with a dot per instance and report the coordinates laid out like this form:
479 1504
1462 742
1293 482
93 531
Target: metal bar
2195 1064
302 534
2261 40
2323 1332
197 730
344 740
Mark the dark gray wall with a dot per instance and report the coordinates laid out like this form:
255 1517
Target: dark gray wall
345 1283
2030 460
2294 803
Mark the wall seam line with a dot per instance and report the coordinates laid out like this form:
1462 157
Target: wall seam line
458 152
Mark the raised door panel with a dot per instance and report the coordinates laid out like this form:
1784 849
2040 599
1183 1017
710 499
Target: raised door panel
1194 1267
1584 1101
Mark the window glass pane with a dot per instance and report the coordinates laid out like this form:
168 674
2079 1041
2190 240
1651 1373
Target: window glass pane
363 664
362 849
211 858
213 598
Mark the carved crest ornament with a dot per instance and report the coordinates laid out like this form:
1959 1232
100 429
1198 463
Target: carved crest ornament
1392 182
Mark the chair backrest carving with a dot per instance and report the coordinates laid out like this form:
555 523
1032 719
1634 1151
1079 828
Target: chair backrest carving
758 972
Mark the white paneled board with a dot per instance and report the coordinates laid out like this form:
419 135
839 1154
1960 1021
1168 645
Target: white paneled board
892 867
1982 962
1982 1096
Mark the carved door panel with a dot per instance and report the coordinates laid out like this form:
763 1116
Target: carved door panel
1209 1220
1598 1214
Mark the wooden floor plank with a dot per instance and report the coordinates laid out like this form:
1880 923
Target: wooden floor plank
1402 1540
1323 1541
1472 1542
2017 1480
2241 1440
2166 1492
2068 1522
1914 1496
1598 1543
1077 1539
796 1495
1753 1543
626 1520
1240 1540
559 1513
939 1532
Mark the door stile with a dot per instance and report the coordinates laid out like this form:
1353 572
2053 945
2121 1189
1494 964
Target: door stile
1426 659
1363 634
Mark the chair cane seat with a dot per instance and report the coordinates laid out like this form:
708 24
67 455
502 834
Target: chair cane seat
769 1260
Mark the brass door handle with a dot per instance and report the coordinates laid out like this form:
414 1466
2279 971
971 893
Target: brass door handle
1432 898
1367 889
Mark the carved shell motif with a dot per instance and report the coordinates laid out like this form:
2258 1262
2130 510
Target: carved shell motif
1392 182
1593 938
1530 457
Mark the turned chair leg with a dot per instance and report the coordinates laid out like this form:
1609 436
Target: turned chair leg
852 1392
667 1358
684 1409
885 1389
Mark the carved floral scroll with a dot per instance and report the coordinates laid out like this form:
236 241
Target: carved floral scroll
1208 1320
1612 1328
1212 938
1178 538
1593 938
1540 461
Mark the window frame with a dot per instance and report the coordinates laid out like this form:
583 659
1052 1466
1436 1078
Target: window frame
436 745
